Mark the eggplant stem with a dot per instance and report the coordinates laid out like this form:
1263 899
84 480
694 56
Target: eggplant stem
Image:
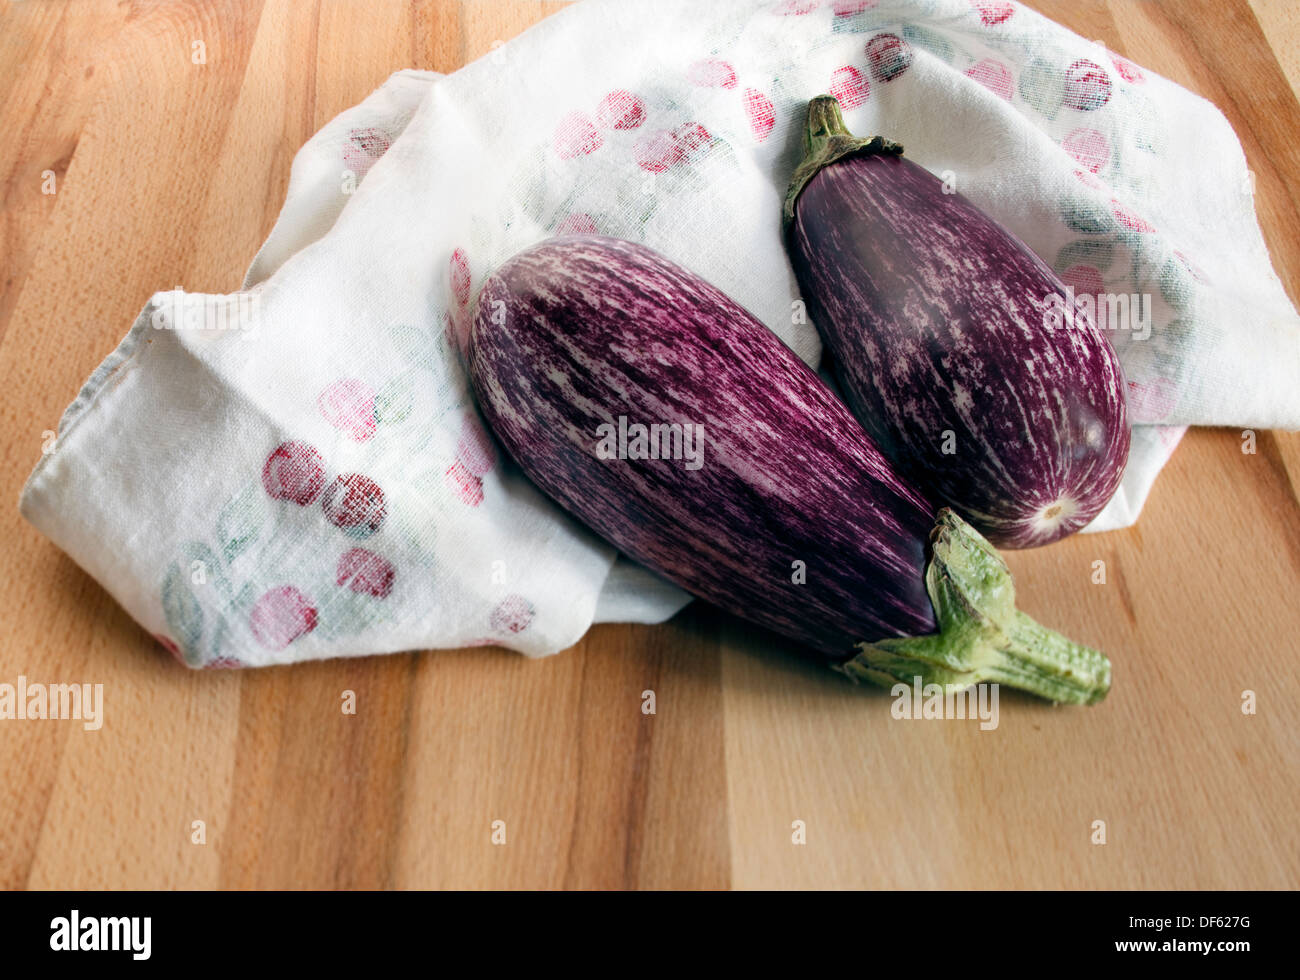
982 636
825 140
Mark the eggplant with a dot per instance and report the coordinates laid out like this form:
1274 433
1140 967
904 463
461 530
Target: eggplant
671 422
952 341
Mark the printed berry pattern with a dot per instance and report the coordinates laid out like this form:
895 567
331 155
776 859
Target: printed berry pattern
712 73
1087 86
294 475
363 147
355 503
888 56
349 406
993 12
848 8
256 586
620 110
280 616
577 224
1090 148
658 151
761 112
461 280
850 87
576 135
294 471
1127 70
994 76
512 615
366 572
668 147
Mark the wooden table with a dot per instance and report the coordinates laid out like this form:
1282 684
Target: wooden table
168 175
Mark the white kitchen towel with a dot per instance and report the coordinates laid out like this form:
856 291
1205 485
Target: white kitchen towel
297 470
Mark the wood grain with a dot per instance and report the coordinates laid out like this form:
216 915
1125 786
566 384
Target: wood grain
169 173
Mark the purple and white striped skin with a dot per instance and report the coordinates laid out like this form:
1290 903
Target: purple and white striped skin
577 331
938 321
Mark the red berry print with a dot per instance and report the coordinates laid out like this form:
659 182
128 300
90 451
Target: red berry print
1127 70
1089 147
761 112
691 137
294 471
575 136
797 8
888 56
712 73
658 151
363 148
662 149
349 406
1128 219
620 110
994 76
371 140
281 616
849 87
847 8
468 486
356 504
460 277
366 573
170 646
474 449
1087 86
993 12
512 615
577 224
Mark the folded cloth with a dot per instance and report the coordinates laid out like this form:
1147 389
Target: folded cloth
297 470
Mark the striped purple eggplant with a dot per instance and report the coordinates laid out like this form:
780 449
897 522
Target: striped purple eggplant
665 417
951 341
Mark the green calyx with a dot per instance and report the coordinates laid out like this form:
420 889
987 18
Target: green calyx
825 140
982 636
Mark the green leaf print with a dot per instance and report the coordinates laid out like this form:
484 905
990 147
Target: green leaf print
395 400
240 522
1043 86
182 611
204 568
